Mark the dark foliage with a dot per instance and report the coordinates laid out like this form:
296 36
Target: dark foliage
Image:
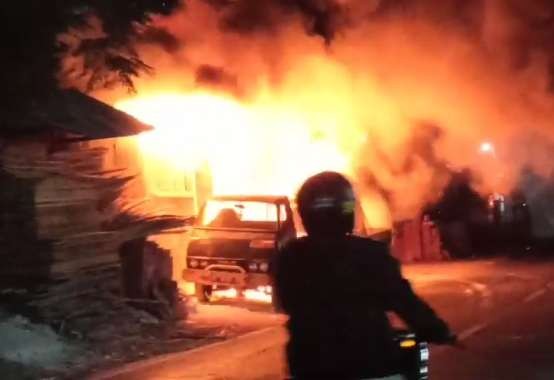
32 49
458 201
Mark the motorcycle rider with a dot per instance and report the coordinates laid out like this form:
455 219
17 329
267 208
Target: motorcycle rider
336 289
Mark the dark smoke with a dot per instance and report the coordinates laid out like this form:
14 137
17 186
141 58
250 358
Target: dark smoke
421 146
475 70
321 18
217 78
160 37
527 25
249 16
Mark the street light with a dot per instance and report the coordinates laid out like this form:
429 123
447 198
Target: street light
486 147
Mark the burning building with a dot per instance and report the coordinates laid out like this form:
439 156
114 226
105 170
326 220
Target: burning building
396 94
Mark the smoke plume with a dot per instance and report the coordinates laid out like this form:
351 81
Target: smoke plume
406 89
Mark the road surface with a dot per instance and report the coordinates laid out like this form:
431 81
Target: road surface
503 311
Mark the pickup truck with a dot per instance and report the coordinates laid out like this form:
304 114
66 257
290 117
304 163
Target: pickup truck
235 238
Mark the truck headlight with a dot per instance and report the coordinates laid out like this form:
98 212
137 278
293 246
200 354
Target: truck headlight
264 267
253 267
193 263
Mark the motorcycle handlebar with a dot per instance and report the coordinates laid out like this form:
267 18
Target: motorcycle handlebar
454 341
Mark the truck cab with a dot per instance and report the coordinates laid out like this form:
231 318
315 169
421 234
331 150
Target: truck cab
233 242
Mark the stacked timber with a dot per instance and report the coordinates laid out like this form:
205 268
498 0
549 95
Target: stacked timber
63 219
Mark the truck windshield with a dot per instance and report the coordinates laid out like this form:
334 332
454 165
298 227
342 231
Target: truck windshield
242 215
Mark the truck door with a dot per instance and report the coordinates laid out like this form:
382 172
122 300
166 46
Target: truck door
287 230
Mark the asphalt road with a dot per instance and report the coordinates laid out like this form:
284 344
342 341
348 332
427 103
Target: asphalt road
507 325
502 310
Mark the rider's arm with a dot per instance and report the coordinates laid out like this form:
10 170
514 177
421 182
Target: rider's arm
399 297
280 285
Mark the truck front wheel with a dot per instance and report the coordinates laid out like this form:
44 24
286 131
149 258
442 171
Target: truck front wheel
203 293
275 304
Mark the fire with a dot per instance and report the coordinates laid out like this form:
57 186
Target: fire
260 294
396 96
251 148
226 293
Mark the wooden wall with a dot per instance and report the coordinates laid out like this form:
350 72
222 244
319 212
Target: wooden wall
417 239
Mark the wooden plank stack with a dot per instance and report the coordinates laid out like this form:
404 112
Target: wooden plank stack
63 217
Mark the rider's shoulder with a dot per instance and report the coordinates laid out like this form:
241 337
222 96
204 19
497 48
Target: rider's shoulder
368 243
295 244
298 244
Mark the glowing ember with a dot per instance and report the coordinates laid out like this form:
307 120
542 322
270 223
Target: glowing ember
259 294
226 293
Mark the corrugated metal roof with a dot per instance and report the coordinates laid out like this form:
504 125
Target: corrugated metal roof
74 112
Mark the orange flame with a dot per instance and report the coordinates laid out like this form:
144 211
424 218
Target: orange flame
260 294
250 148
473 72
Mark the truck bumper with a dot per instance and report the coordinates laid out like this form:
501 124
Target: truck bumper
232 279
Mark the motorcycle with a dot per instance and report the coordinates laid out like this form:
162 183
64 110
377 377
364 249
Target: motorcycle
414 355
414 358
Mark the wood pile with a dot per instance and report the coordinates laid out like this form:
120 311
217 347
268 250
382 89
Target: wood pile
63 219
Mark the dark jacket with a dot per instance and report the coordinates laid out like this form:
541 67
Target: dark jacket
336 292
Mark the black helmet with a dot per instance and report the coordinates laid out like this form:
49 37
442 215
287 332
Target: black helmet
326 205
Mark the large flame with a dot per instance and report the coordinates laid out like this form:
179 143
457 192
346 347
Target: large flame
250 148
397 97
